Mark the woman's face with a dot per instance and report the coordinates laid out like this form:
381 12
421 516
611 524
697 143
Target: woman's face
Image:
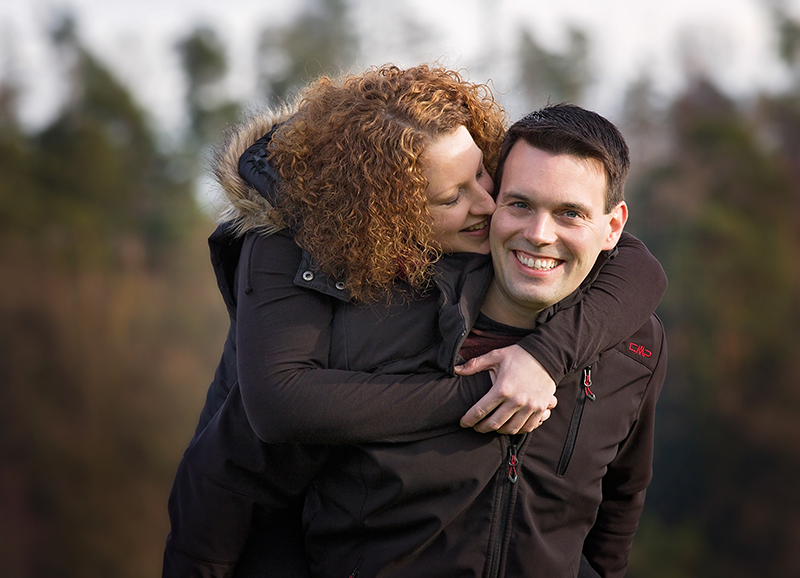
459 193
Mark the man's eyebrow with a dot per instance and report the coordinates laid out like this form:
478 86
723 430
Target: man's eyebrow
510 196
577 207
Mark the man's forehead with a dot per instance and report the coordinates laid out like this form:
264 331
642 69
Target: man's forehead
534 175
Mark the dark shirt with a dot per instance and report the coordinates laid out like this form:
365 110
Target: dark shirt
487 335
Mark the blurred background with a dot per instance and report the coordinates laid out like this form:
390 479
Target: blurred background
110 320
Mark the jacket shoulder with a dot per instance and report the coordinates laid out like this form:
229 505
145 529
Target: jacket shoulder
647 345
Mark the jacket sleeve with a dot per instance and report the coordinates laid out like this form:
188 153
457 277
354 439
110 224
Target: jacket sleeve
288 392
608 544
625 293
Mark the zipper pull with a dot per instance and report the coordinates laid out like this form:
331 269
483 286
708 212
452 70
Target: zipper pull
512 463
587 383
354 573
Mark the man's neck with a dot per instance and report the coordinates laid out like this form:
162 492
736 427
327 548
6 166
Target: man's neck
487 335
498 307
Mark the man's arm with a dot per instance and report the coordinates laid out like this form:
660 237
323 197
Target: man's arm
608 545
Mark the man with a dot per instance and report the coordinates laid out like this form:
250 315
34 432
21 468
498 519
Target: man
465 503
560 204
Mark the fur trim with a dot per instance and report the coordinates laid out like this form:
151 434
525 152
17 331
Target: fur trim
243 204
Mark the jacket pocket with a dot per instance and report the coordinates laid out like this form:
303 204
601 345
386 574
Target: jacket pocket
575 422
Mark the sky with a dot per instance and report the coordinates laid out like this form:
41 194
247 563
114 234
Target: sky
731 38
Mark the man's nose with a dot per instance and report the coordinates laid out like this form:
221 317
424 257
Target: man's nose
540 230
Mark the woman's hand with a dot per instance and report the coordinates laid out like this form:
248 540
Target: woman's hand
520 399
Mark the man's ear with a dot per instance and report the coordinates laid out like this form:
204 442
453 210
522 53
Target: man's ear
619 216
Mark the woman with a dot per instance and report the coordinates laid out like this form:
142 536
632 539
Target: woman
364 189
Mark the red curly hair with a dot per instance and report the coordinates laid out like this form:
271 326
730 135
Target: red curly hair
350 159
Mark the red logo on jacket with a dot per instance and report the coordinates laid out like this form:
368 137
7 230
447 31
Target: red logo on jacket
640 350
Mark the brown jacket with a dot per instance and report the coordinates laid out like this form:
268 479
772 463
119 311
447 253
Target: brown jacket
469 504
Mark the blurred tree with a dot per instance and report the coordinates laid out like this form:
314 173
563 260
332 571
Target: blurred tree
205 66
105 334
646 127
788 30
15 178
9 98
320 41
546 76
100 179
721 216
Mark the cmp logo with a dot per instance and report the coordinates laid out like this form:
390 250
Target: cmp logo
640 350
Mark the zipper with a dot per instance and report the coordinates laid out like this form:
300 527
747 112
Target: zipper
507 481
512 463
577 413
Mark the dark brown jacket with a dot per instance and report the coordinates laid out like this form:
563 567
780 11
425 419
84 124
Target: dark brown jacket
469 504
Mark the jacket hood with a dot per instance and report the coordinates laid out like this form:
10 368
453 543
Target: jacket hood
240 167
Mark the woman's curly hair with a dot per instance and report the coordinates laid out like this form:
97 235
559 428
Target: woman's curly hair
350 159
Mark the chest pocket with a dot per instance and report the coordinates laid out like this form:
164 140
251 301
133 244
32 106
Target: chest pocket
397 335
585 395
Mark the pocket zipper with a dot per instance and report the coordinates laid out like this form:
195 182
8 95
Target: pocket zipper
572 434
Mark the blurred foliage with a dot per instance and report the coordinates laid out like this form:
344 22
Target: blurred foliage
321 41
94 179
548 76
721 212
205 65
111 323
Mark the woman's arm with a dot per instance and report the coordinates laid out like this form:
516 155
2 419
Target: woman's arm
614 307
624 294
284 334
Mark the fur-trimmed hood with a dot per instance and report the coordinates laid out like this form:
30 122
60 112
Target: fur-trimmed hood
248 184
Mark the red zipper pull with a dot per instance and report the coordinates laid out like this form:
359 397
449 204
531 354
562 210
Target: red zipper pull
587 383
512 464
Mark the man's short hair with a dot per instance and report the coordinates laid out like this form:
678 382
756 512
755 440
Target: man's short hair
568 129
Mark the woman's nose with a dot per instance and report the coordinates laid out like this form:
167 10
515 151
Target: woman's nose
483 203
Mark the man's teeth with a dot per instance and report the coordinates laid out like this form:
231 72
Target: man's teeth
478 227
541 264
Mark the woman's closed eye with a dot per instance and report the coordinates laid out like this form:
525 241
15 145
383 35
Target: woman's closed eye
450 201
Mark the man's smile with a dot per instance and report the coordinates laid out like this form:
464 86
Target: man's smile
538 263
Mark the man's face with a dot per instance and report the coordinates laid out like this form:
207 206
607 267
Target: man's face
547 231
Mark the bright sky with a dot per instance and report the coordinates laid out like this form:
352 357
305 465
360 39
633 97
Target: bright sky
733 38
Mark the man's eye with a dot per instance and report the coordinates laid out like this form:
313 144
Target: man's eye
572 214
